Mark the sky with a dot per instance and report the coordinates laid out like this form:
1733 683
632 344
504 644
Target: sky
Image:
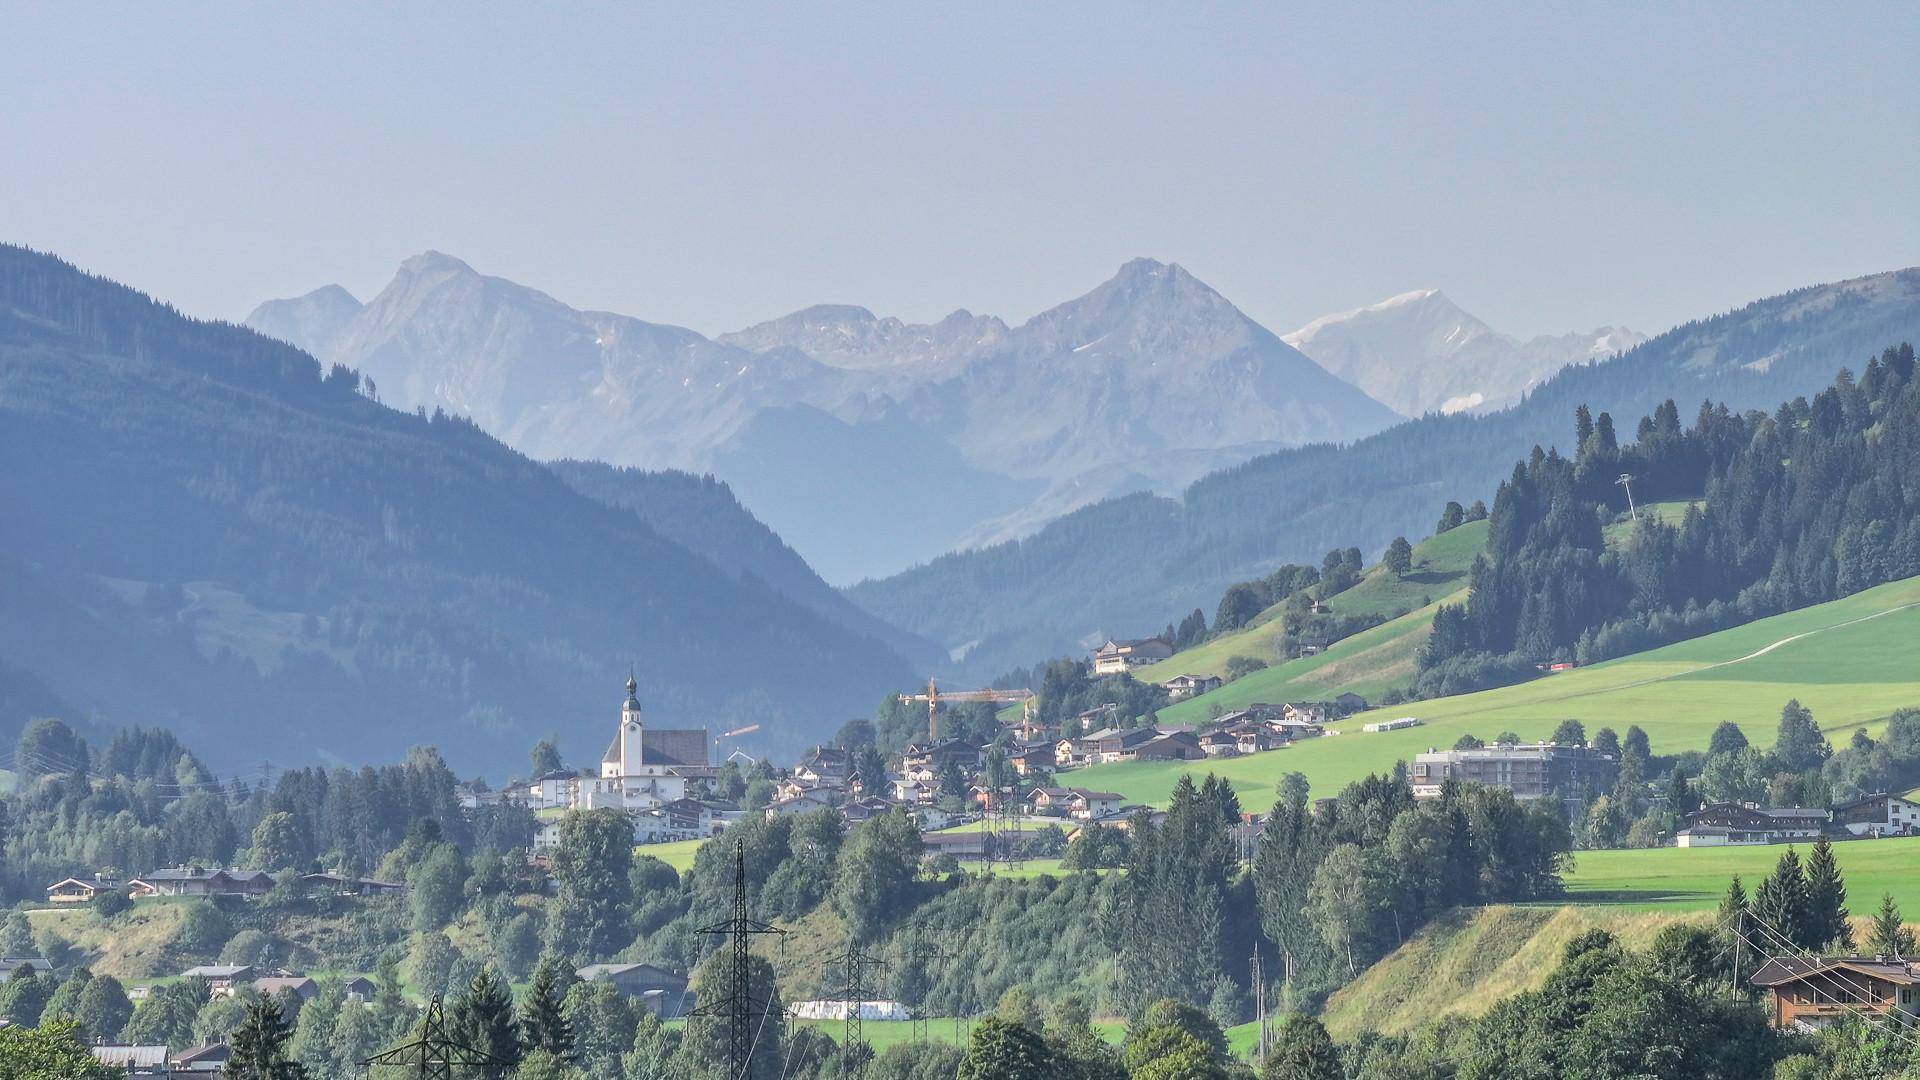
1550 167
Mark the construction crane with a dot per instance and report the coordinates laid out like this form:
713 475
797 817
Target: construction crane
934 696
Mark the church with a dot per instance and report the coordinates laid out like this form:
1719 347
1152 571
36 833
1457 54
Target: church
643 767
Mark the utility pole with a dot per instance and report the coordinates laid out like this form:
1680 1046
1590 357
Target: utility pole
737 1005
1626 481
434 1055
1260 1003
853 995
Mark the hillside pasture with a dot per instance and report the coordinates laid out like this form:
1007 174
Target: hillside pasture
1440 565
1852 661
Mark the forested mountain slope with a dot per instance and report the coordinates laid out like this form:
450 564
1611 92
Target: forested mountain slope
204 530
701 514
1125 566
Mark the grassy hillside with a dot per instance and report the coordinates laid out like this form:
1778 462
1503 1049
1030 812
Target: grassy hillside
1672 513
1465 961
1367 663
1852 661
1470 958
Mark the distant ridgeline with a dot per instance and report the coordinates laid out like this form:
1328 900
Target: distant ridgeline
203 528
1126 563
1815 501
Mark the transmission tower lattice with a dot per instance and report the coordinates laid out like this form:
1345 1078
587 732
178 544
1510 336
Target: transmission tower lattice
434 1054
934 957
737 1006
853 994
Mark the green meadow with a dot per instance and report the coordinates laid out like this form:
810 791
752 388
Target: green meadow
1852 661
1440 565
1692 879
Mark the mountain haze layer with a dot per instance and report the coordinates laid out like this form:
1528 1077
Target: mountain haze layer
1147 382
207 532
1127 566
1419 352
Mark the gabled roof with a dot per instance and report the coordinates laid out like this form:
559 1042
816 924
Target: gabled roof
217 971
131 1057
88 883
1779 971
1100 796
608 971
207 1051
1876 797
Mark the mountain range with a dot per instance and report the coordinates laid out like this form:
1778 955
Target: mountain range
867 443
1127 566
1419 353
210 530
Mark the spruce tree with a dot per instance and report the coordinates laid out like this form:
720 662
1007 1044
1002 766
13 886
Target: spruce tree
1734 923
259 1045
1780 907
482 1018
1889 936
542 1025
1826 925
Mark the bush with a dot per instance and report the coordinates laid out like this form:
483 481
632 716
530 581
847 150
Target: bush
111 903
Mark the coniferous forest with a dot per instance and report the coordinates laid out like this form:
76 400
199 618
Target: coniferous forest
1816 500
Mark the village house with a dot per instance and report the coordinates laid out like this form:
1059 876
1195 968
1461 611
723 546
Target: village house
1050 801
207 1059
299 986
1878 814
800 804
1220 743
1810 992
133 1060
681 819
1088 805
1169 746
1117 744
552 789
39 965
1304 713
934 758
1730 824
644 767
1118 656
1349 703
663 992
222 978
340 884
1029 759
908 789
1182 687
1535 771
825 767
81 890
201 881
860 810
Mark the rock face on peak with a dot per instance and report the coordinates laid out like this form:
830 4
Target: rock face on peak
1419 352
844 336
1137 384
308 323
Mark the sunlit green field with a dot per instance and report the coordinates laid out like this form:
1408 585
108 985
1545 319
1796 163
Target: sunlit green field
1852 661
678 854
1693 878
1440 569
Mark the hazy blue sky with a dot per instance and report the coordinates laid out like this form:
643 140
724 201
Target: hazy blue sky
1551 168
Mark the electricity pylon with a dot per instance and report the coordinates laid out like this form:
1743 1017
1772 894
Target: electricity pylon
434 1054
737 1005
